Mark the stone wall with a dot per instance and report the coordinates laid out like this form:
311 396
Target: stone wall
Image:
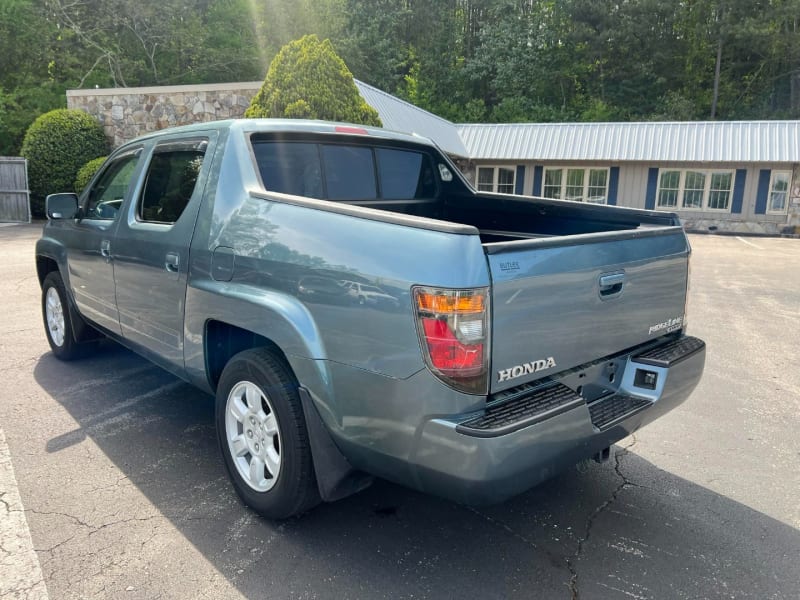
126 113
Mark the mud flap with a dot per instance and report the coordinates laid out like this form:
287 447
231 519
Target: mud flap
81 330
336 477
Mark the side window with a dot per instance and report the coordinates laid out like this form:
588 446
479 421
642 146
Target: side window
349 172
170 181
106 196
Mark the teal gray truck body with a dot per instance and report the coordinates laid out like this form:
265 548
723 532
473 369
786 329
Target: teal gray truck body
461 343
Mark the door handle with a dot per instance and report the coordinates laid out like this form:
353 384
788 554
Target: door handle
611 285
105 249
172 261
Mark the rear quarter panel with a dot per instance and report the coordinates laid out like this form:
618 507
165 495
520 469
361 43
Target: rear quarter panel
279 250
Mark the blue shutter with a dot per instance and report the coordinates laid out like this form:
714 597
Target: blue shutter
763 191
538 172
738 190
613 185
519 185
652 188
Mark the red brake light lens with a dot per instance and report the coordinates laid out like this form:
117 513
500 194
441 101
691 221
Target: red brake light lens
448 355
353 130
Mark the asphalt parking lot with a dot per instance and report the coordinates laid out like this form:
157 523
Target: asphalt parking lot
117 477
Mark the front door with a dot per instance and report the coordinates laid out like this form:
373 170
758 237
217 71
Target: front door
91 269
151 247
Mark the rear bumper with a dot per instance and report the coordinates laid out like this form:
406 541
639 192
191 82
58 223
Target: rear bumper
515 444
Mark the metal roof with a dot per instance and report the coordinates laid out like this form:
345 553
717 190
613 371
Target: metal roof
399 115
707 141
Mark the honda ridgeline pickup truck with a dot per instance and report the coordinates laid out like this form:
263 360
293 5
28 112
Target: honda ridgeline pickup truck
359 310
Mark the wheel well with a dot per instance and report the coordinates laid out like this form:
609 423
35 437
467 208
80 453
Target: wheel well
45 265
223 341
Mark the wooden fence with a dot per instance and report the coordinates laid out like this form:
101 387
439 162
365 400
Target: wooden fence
15 205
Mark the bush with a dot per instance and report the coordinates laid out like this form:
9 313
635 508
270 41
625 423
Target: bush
308 80
86 172
56 145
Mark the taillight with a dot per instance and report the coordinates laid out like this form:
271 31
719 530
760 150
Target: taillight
453 329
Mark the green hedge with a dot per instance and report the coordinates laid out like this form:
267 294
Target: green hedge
86 172
56 145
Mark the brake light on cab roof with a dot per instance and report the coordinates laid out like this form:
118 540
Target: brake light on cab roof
353 130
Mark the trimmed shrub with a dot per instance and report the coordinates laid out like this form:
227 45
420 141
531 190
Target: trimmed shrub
86 172
308 80
56 145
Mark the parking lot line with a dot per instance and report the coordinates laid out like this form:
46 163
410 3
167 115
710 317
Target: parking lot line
20 571
744 241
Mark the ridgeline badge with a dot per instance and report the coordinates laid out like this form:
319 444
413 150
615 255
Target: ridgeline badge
667 326
526 369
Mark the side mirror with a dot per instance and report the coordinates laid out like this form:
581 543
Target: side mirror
61 206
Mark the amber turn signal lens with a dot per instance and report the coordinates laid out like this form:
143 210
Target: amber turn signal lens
449 303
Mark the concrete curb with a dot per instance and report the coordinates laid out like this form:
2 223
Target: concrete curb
795 236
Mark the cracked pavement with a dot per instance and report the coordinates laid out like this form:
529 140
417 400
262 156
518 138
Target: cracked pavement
124 494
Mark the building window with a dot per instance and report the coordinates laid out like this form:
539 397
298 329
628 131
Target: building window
669 186
497 179
719 193
695 190
577 184
779 192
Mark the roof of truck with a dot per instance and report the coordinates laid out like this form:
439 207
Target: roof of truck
290 125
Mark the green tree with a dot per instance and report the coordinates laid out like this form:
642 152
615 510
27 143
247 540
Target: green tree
308 80
27 42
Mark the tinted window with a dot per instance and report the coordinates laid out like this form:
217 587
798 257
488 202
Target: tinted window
290 168
404 175
349 172
170 182
106 196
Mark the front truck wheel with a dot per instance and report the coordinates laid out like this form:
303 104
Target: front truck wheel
58 320
263 437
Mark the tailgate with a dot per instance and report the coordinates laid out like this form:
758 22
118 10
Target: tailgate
558 303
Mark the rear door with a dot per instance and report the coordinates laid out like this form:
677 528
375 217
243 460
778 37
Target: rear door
151 248
558 303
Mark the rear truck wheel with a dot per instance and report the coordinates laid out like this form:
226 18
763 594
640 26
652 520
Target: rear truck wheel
262 434
58 320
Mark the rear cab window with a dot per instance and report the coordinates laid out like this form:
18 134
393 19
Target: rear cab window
344 172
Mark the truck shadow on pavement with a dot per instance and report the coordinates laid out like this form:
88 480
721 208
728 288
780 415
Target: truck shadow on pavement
623 529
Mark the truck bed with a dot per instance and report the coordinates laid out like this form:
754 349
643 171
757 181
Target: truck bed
505 218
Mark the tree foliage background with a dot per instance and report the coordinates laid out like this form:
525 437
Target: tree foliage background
467 60
308 80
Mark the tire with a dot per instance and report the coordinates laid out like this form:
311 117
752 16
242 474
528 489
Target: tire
58 320
262 435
